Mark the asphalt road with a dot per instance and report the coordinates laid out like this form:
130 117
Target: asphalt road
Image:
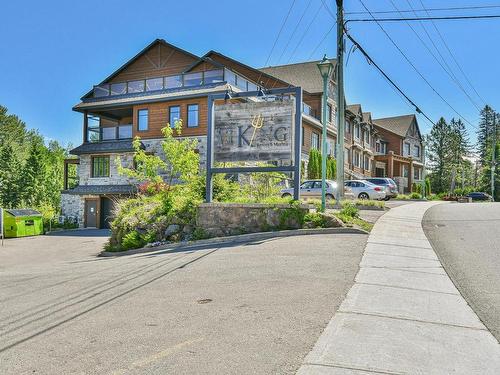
466 238
254 308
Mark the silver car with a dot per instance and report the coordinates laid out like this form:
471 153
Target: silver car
363 189
312 189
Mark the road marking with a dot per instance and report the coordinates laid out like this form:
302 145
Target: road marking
156 357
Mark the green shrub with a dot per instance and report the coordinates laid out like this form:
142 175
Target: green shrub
349 210
132 240
415 195
403 197
317 220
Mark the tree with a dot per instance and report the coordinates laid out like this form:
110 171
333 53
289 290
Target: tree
487 140
314 164
459 148
34 176
438 148
9 178
331 168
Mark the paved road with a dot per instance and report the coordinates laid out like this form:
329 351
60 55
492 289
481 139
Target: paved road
466 238
250 308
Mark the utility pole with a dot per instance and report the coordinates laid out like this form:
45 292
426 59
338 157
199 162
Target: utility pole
340 102
493 156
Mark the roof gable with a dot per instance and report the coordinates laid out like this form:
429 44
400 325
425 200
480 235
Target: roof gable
399 125
157 59
304 74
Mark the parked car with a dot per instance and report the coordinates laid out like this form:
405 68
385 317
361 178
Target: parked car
312 189
480 196
363 189
391 189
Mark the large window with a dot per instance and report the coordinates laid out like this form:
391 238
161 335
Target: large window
100 166
406 149
367 163
347 127
417 174
193 116
416 151
330 113
174 114
356 131
142 120
315 140
356 159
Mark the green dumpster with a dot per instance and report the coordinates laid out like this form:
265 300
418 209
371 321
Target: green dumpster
22 223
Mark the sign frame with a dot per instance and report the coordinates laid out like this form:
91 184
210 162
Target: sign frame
1 224
294 167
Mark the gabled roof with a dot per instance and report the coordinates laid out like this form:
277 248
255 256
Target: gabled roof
355 109
398 124
142 52
304 74
367 117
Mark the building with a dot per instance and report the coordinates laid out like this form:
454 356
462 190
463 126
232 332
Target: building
399 151
163 83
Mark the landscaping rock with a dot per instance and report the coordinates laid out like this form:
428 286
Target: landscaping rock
330 221
172 229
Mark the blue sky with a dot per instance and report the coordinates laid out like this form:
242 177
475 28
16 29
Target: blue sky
52 52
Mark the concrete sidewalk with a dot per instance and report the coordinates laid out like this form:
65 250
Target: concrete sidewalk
403 315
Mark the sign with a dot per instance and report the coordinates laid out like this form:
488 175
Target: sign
254 131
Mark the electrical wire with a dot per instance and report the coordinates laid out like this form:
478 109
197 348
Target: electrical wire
415 68
453 55
322 40
294 30
446 69
431 18
305 33
473 7
386 76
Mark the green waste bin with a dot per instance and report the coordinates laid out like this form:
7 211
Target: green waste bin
22 223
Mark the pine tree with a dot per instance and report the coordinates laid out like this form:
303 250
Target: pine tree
460 147
9 180
34 176
438 149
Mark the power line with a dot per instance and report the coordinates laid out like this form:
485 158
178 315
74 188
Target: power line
327 8
453 56
429 9
322 40
415 68
294 30
373 19
305 32
279 33
399 90
446 69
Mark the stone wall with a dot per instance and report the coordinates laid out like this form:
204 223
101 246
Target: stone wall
85 170
222 219
72 206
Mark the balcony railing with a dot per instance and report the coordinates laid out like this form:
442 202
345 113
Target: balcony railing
159 83
109 133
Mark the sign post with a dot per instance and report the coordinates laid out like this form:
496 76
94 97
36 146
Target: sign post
252 131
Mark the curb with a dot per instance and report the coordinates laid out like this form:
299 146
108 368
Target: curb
234 239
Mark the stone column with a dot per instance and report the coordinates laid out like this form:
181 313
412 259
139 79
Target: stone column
390 165
410 175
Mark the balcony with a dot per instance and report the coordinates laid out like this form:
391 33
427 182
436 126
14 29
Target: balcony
309 111
109 133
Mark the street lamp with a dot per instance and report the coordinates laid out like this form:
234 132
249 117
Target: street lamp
325 67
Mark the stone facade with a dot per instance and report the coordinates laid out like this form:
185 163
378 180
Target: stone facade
222 219
73 206
85 170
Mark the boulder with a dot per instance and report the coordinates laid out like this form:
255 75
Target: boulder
172 229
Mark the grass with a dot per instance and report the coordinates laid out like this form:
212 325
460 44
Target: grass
349 215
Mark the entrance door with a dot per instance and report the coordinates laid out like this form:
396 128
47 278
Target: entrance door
91 213
106 212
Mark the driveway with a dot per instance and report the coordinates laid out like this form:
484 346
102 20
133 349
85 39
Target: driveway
247 308
466 238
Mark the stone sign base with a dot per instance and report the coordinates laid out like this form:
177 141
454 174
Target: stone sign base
224 219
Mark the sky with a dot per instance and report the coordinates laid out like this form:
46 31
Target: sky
53 52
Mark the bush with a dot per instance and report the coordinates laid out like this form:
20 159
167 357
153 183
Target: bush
314 219
415 195
349 210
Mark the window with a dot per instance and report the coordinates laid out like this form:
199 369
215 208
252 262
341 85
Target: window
367 136
303 138
100 166
347 127
356 131
315 141
407 149
307 185
416 173
174 114
367 163
192 116
193 79
330 117
142 120
405 171
416 151
356 159
377 147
